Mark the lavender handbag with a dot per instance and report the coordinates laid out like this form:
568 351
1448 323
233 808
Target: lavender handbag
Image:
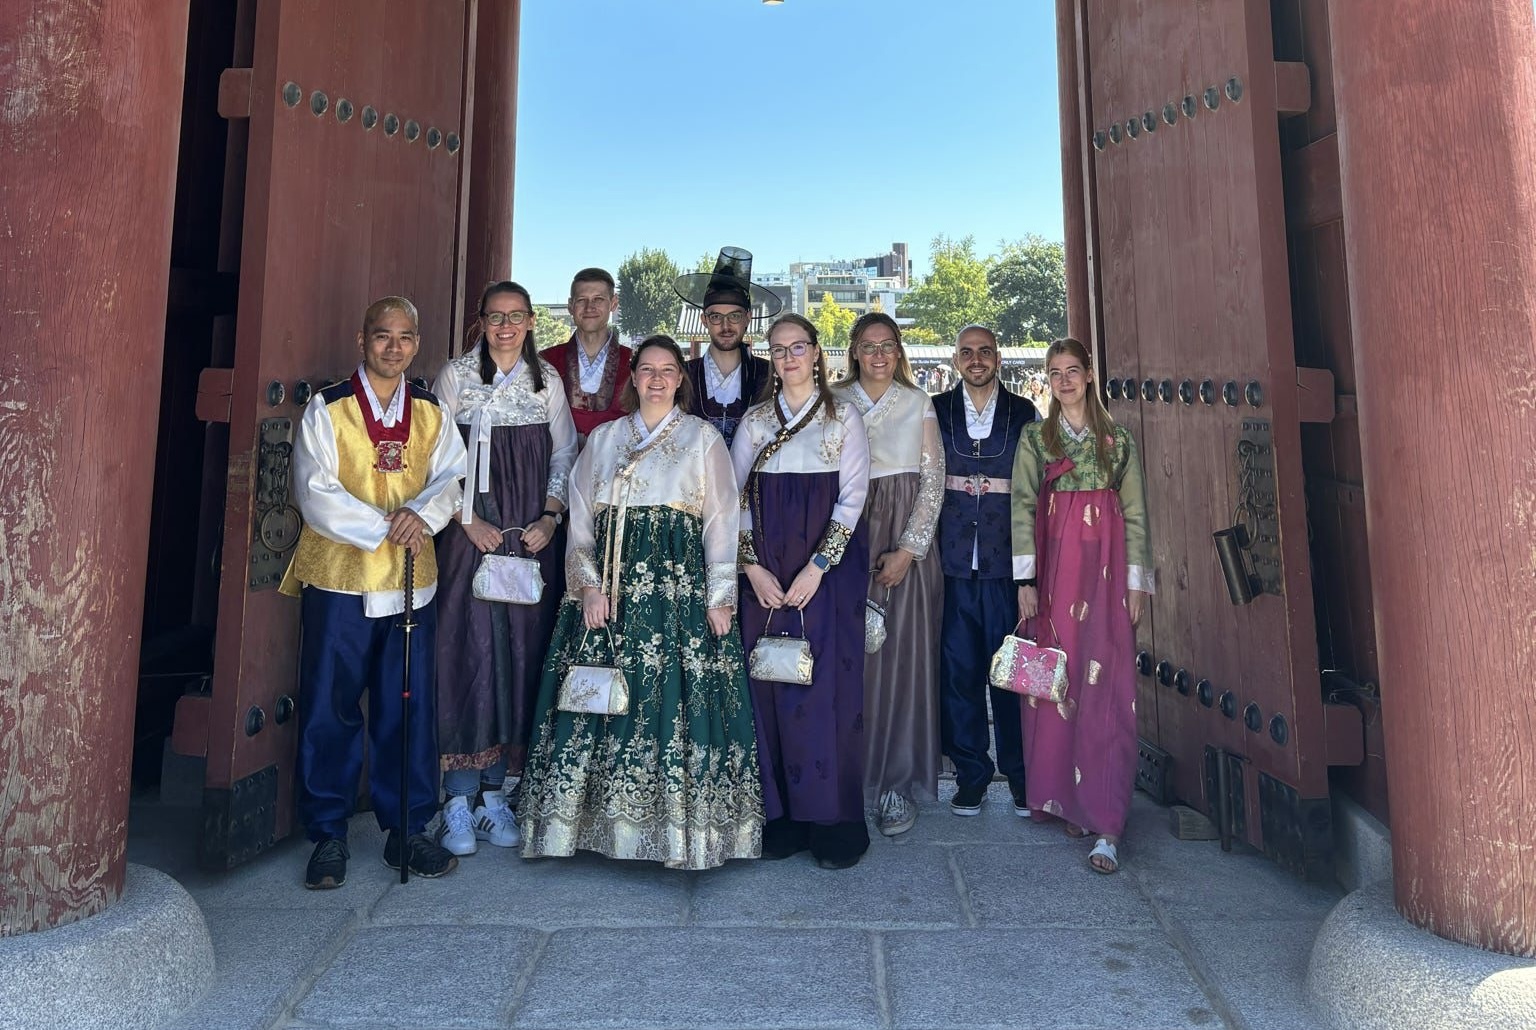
1022 666
508 578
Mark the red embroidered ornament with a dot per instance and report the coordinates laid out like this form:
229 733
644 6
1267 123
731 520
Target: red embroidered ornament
388 441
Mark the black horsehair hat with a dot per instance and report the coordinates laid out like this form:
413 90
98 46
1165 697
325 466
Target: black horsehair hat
730 283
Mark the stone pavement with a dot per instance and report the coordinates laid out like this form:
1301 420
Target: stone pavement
961 924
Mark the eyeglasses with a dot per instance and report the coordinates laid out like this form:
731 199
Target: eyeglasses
733 317
668 373
872 348
797 349
504 317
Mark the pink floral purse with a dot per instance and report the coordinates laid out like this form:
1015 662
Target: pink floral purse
1022 666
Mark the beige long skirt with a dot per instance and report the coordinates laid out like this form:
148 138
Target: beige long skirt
901 680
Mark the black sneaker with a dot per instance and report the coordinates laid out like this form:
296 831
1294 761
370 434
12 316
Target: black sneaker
428 859
967 800
1020 800
327 867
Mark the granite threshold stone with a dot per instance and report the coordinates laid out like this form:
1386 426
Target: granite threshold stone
1373 970
136 966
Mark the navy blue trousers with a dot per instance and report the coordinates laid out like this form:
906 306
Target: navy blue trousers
343 653
978 613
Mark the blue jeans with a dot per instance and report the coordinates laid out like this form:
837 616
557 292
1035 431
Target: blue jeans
463 783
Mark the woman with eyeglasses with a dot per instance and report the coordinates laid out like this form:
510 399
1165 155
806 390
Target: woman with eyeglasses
651 566
515 420
906 591
803 461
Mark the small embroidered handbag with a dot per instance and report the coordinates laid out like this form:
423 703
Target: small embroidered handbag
782 659
1023 667
508 578
874 624
595 689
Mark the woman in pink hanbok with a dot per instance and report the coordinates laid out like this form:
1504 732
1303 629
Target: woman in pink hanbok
1080 542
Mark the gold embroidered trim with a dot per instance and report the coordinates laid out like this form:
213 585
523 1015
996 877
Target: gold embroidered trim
835 541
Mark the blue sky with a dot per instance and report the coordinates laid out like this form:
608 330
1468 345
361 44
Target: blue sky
812 130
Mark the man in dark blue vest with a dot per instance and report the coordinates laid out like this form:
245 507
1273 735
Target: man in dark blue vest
981 423
728 377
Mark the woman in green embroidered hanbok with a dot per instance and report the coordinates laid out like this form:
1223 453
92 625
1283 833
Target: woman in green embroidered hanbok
651 563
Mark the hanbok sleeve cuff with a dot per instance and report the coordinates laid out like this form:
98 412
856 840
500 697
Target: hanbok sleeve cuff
746 553
1023 566
834 542
559 484
720 585
581 570
1139 577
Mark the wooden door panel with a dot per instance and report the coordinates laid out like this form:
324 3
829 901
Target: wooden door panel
353 186
1194 282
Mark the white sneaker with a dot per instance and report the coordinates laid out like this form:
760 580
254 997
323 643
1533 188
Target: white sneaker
496 822
896 814
458 832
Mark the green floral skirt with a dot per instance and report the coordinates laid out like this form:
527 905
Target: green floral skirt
675 779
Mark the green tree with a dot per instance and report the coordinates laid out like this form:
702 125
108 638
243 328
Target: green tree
647 302
917 336
549 330
1028 281
955 293
705 263
833 321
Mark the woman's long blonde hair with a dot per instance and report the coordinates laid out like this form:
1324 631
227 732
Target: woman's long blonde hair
1099 418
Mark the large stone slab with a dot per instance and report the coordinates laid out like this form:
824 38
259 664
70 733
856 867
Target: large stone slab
1047 886
892 887
275 879
1259 967
997 823
262 959
1057 979
495 886
422 976
691 979
1196 880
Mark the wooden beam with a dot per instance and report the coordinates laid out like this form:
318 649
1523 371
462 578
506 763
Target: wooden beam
1293 88
235 93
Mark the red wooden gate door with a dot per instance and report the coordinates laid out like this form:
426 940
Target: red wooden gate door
353 191
1195 331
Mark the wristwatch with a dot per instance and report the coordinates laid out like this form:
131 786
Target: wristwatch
558 516
821 561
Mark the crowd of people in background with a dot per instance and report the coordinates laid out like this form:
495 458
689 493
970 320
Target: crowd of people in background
693 610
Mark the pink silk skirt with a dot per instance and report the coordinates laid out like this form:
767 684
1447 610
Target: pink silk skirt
1080 755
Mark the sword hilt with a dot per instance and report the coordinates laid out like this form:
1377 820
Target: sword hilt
410 592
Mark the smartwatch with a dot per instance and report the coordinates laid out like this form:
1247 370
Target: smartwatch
558 516
820 561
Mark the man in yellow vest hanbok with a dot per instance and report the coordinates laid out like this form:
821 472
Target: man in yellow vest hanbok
376 472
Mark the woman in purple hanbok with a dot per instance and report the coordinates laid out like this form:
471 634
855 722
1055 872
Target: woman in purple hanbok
512 410
803 461
1080 540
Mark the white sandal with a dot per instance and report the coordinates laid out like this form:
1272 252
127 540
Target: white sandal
1102 848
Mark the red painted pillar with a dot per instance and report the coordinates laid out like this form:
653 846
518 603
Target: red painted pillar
1438 168
492 147
1073 192
90 110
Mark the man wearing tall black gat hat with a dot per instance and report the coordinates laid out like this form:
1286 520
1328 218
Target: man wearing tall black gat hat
728 378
